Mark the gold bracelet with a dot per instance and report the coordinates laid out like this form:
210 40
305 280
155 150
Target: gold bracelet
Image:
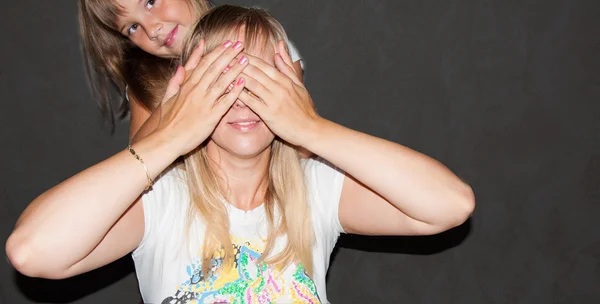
143 164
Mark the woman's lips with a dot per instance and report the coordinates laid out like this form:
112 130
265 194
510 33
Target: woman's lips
245 126
170 40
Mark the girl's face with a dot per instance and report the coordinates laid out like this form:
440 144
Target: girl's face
157 26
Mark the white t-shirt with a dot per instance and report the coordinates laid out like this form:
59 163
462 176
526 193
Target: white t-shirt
168 273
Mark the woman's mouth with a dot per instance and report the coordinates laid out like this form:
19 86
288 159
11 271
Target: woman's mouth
170 40
245 126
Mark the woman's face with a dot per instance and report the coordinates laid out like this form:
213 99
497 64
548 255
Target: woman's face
157 26
241 132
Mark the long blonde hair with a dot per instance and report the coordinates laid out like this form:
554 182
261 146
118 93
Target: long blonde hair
286 204
106 53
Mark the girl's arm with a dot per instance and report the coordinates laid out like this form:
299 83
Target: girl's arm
138 116
389 189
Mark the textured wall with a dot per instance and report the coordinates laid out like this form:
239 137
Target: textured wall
503 92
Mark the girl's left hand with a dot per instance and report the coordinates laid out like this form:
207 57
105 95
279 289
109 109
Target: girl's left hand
280 99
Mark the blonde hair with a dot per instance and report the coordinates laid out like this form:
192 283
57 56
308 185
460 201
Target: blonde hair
286 204
104 50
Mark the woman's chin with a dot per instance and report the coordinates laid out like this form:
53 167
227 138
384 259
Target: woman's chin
247 152
241 150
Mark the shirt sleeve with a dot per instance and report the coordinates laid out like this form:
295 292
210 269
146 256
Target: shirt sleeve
156 203
325 184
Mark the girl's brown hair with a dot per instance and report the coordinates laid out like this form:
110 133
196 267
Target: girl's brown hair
285 200
148 77
104 52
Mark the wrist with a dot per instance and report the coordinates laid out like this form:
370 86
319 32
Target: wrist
315 133
157 152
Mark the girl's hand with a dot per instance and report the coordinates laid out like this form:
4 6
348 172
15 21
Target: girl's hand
180 75
280 99
296 66
212 86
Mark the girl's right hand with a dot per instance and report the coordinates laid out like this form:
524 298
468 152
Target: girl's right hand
212 86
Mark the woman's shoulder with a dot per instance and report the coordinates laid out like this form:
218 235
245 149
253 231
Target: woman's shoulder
172 175
321 175
169 185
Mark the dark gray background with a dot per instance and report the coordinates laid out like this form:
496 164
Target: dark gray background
504 92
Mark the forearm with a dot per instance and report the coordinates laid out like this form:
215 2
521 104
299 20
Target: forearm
149 125
64 224
416 184
138 116
136 122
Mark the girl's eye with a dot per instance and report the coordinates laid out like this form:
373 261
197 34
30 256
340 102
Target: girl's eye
132 29
150 4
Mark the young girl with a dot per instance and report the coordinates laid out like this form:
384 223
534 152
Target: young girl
244 220
111 29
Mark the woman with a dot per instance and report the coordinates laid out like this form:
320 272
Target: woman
244 220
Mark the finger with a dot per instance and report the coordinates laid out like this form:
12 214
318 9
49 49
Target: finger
285 54
287 58
256 87
255 104
261 76
225 102
225 81
174 83
231 63
287 70
209 59
195 57
265 67
218 65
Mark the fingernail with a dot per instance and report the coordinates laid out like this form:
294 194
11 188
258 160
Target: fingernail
243 60
240 81
227 68
230 86
237 45
227 44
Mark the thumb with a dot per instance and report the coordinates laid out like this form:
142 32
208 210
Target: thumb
284 63
284 54
196 56
286 69
174 84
